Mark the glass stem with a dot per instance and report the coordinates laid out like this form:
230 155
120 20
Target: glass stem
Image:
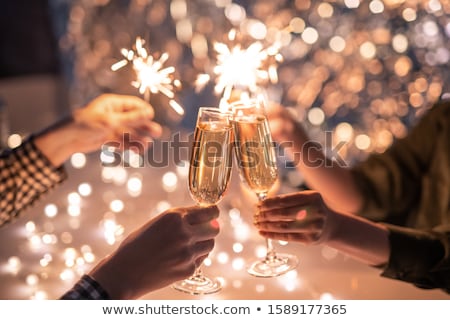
198 272
270 255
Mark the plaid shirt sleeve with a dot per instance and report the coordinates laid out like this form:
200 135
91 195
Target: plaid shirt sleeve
86 289
25 175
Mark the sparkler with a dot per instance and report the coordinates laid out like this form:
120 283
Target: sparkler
151 76
242 68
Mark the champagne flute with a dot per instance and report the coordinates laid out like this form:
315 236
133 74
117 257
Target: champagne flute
257 162
209 176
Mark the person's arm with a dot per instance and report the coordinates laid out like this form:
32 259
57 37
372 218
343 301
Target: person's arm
166 249
383 183
26 174
304 217
334 182
415 256
105 119
35 167
402 185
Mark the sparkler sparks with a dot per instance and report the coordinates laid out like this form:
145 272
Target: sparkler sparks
241 68
151 77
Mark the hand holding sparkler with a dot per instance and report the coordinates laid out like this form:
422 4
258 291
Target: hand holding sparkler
105 119
116 115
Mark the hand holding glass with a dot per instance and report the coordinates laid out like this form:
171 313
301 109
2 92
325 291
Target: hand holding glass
257 163
209 176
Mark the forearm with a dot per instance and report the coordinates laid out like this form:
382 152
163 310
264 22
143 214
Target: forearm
360 238
333 180
106 276
55 142
335 183
67 137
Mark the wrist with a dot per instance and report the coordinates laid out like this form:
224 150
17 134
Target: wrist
55 142
67 137
107 279
362 239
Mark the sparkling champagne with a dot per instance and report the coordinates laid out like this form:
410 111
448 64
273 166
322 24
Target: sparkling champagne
255 152
211 160
256 157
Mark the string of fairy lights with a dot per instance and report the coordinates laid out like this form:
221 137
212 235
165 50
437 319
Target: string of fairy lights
362 70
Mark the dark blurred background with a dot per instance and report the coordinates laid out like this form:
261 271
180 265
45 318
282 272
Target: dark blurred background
33 90
27 41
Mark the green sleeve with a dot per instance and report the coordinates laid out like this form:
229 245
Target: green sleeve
420 257
408 188
391 183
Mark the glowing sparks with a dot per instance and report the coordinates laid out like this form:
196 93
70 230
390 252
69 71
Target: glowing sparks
245 69
151 76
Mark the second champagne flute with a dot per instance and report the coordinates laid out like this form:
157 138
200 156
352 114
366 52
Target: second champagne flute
209 176
257 163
